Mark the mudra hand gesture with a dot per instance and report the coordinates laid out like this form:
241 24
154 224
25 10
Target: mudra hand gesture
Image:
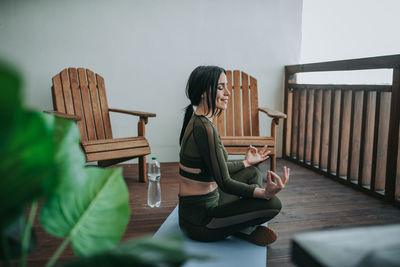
254 155
275 183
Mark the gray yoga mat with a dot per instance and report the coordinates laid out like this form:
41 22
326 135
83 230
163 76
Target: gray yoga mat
229 252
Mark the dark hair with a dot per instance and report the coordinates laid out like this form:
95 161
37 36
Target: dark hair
201 80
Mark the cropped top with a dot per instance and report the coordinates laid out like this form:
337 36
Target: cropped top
201 148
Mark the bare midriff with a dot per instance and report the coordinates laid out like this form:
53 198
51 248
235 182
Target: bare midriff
189 187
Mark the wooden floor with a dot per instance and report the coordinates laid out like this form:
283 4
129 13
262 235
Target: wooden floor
310 202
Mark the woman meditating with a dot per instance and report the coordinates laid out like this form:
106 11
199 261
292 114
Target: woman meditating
218 198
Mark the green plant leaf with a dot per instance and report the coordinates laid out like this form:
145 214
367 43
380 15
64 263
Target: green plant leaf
161 252
10 100
94 216
43 157
27 165
68 153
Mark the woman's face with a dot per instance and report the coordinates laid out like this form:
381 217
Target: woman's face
221 100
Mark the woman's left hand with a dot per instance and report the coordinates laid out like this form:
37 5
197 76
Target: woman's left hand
254 155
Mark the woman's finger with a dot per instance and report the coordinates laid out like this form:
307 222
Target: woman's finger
265 153
286 175
269 179
264 149
279 182
277 179
273 176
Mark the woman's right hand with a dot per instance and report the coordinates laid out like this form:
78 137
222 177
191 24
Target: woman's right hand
275 183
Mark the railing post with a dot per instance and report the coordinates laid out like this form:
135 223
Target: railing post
393 141
289 78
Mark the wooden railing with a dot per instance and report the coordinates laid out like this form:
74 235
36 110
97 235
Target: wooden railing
347 132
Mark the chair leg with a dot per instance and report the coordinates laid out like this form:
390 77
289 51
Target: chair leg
273 163
142 169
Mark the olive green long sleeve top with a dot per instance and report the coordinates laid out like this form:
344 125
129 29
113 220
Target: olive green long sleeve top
201 148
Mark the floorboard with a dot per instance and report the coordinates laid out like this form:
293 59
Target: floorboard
310 202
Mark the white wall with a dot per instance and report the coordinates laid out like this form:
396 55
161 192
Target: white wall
146 50
343 29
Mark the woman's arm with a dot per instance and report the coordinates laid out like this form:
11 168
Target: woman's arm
235 166
212 153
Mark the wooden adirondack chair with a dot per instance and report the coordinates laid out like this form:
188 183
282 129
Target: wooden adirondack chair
80 95
238 126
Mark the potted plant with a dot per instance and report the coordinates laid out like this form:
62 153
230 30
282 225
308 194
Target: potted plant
41 160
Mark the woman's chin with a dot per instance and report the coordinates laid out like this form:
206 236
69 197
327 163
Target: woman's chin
222 107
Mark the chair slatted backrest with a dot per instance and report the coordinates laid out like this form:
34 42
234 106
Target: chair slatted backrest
241 116
82 92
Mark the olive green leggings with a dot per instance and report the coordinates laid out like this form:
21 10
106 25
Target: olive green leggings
216 215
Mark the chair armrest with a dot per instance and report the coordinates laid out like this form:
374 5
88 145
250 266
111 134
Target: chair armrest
273 113
133 112
64 115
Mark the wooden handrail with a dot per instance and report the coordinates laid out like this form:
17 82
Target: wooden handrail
353 87
383 62
320 117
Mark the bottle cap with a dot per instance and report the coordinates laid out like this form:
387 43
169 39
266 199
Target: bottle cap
153 158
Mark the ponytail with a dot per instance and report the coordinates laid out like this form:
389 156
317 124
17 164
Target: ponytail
188 115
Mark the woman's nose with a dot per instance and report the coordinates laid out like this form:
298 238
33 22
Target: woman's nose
227 91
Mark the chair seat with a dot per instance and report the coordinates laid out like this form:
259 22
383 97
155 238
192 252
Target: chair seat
237 145
106 149
248 140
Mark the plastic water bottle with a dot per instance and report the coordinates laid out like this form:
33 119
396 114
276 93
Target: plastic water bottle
154 190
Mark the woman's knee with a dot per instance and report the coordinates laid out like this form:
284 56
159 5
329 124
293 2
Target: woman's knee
249 175
275 203
253 171
254 174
